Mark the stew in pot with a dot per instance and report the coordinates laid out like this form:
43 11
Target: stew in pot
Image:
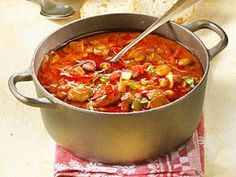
155 72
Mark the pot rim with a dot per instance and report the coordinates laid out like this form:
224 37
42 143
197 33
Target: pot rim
62 103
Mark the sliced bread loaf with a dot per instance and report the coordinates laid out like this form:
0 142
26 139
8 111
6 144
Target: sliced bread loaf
149 7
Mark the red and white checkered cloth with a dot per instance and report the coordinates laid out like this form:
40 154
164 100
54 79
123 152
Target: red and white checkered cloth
187 161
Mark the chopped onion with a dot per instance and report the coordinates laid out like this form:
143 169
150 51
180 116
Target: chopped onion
126 75
170 77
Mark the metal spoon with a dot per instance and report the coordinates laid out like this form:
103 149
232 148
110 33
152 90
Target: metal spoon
177 8
54 10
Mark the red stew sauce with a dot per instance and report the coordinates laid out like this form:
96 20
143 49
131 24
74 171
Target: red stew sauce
155 72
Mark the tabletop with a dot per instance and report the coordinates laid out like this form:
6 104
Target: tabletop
27 150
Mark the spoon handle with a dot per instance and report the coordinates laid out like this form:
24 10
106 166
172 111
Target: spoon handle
177 8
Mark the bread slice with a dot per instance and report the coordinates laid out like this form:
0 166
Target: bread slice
98 7
149 7
159 7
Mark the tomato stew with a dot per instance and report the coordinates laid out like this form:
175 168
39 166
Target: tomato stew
155 72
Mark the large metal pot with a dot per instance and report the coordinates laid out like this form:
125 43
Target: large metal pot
121 138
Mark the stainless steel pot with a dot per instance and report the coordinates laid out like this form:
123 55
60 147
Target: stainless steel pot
121 138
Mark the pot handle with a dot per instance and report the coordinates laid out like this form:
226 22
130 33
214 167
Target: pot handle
205 24
26 76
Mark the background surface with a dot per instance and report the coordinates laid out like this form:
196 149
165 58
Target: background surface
26 150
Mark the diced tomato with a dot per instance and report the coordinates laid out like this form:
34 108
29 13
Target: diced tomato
115 75
116 50
117 65
177 53
138 70
61 53
97 59
145 92
79 78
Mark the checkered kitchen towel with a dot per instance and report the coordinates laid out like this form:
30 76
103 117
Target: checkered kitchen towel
187 161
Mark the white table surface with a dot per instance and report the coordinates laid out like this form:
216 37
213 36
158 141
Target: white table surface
26 150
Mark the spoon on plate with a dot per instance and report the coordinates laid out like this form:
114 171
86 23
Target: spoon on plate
54 10
176 9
